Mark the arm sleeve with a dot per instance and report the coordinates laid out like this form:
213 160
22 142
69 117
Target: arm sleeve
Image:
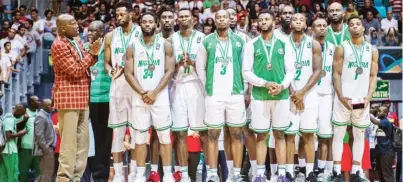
289 61
8 124
247 67
201 60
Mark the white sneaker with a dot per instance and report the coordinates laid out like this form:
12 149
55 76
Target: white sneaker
273 178
185 179
118 178
131 177
140 179
168 178
230 175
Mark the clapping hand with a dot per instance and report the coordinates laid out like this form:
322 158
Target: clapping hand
95 47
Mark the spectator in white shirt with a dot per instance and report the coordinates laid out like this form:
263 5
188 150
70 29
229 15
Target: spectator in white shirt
182 4
210 12
196 4
5 65
38 23
33 40
388 22
21 36
17 48
138 3
49 21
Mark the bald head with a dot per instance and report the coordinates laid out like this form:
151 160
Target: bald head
67 26
47 105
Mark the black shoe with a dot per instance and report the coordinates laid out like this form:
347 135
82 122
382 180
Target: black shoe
355 177
338 178
289 176
302 170
311 177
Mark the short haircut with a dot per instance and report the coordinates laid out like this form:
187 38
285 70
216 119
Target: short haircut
165 9
5 44
185 9
266 11
125 4
30 22
353 17
48 11
34 10
21 27
23 6
149 13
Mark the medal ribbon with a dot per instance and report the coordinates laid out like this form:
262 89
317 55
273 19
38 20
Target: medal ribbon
324 53
334 37
224 52
96 64
300 50
150 58
358 57
273 41
124 41
189 44
76 47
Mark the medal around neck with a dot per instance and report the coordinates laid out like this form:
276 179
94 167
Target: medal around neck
359 71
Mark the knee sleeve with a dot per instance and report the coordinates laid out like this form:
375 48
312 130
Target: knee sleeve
358 145
339 133
118 137
141 137
164 136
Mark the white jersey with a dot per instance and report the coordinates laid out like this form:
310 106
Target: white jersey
325 84
281 35
149 68
190 46
120 41
137 32
305 72
355 85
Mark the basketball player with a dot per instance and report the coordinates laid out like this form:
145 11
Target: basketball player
337 31
150 67
120 94
325 92
188 96
250 139
355 69
308 65
268 66
167 29
218 64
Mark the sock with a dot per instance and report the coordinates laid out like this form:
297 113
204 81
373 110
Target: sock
140 171
290 169
184 170
177 168
230 165
321 164
133 166
301 163
167 170
237 171
355 169
154 167
337 168
273 169
281 170
329 166
213 171
118 167
309 168
260 170
208 170
253 165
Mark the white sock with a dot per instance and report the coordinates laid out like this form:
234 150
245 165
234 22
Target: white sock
253 165
301 163
237 171
230 165
355 169
321 164
290 169
329 166
273 169
154 167
167 170
140 171
309 168
281 170
208 170
260 169
184 170
133 166
337 168
213 171
118 167
177 168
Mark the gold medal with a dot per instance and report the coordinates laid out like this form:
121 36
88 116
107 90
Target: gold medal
323 74
269 66
151 67
359 71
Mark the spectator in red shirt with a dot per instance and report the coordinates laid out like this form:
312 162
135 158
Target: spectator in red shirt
392 116
23 10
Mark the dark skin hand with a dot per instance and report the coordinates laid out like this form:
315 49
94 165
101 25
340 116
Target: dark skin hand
115 72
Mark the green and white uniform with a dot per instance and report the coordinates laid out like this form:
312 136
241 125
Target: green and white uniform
187 92
218 64
354 84
263 62
306 120
149 69
325 92
336 38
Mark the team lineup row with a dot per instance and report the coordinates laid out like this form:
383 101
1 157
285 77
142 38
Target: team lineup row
282 81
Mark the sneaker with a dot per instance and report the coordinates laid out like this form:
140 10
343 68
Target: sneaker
289 176
230 175
283 178
355 177
311 177
177 176
300 177
213 178
338 178
363 178
154 177
237 178
118 178
131 177
168 178
324 177
140 179
259 178
185 179
273 178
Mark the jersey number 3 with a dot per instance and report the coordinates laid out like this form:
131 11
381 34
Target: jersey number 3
147 74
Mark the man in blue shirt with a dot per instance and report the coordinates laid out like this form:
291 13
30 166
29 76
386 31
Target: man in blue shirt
384 146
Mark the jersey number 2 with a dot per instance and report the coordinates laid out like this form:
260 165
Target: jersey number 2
298 75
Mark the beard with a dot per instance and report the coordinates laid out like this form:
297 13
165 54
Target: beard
284 24
145 33
269 29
